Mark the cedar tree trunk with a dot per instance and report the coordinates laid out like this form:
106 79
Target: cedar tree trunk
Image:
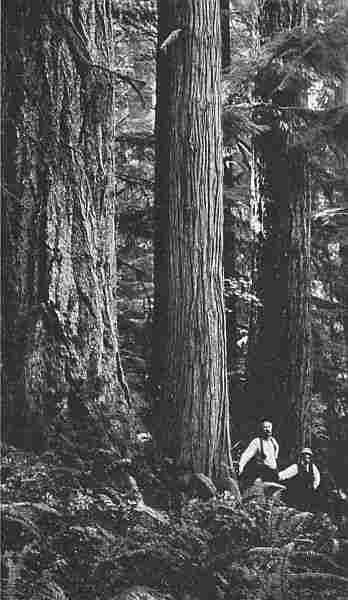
189 356
60 349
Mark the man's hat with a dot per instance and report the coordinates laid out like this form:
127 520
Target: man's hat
306 451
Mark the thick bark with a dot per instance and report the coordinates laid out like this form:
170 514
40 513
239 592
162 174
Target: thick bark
189 359
280 347
59 217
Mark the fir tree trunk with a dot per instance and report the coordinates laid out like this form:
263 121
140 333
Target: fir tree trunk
280 347
189 359
61 358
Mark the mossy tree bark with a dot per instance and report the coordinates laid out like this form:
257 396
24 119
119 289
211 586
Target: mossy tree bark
189 359
61 356
280 344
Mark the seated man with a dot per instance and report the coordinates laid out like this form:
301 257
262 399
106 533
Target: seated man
304 480
259 459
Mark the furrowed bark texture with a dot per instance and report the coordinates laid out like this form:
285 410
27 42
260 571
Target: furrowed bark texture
279 363
59 217
189 361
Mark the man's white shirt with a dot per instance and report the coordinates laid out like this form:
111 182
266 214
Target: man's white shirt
270 448
292 471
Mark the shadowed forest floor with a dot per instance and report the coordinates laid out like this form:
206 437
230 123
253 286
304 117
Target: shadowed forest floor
78 528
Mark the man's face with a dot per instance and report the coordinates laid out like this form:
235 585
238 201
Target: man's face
306 458
266 428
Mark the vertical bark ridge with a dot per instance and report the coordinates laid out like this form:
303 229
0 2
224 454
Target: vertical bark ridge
59 214
190 344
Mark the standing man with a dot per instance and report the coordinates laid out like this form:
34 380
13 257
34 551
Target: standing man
304 480
259 459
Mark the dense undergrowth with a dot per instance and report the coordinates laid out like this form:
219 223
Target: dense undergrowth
83 532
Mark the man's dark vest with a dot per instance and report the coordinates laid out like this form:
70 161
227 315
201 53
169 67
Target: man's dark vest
306 477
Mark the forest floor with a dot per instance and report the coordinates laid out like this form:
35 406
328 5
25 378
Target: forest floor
83 529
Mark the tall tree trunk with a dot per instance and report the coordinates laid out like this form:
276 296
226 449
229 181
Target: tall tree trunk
225 34
229 237
342 98
280 349
344 259
338 431
189 358
61 357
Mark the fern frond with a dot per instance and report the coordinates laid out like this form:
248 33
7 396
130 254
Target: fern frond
47 589
265 551
296 523
17 527
312 556
320 579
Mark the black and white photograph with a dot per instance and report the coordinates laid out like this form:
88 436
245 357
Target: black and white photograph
174 300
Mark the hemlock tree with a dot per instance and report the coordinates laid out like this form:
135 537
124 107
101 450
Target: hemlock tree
60 347
280 345
189 355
